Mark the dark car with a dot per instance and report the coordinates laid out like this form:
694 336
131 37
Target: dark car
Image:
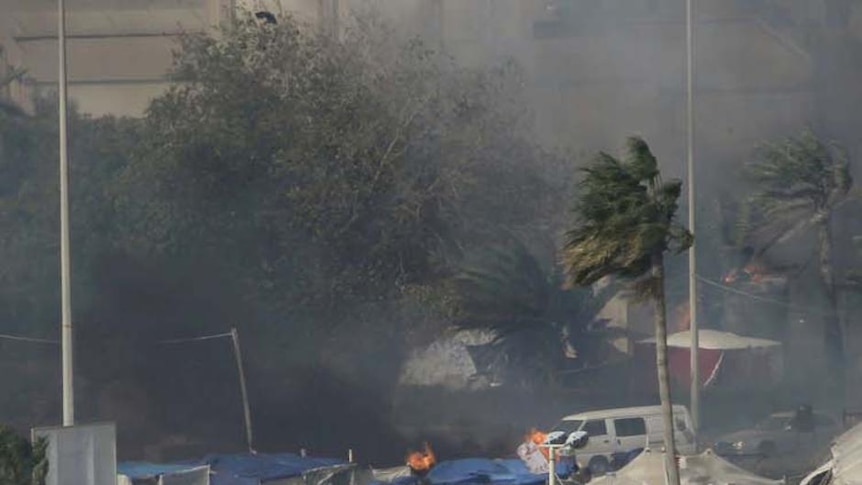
780 433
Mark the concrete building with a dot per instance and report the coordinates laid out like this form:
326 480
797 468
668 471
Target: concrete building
611 70
119 51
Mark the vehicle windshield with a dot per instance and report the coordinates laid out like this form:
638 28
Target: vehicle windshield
773 423
569 426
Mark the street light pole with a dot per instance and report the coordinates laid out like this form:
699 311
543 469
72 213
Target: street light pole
692 267
65 283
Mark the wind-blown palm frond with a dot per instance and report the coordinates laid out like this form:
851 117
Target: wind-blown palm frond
625 213
624 225
509 291
800 181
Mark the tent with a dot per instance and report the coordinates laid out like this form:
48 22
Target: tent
467 471
483 471
458 360
648 468
845 467
278 469
141 473
727 360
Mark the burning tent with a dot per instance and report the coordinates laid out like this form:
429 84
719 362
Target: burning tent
421 462
726 360
707 467
463 472
535 457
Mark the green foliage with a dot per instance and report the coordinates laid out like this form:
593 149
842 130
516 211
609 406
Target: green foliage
799 182
316 170
799 185
624 225
20 462
287 183
624 215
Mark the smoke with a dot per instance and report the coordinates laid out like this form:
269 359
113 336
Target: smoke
594 73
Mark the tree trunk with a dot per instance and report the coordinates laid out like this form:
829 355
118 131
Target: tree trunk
833 335
662 368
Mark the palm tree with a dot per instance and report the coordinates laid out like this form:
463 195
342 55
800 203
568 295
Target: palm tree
800 182
508 290
624 225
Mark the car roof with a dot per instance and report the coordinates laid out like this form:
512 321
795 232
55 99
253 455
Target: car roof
622 412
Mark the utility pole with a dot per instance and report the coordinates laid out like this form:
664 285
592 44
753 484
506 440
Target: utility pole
65 284
692 267
246 409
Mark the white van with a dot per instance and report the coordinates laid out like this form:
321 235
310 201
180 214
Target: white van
623 430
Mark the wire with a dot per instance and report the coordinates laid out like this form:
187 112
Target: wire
196 339
18 338
774 301
28 339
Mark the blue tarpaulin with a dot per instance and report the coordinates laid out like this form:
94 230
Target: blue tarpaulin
138 470
483 471
260 468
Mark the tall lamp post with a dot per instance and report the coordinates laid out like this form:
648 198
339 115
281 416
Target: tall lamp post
65 284
692 267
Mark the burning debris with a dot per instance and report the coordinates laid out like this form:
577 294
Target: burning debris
421 462
753 272
534 456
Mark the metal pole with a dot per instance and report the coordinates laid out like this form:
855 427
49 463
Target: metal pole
65 285
692 267
245 407
552 469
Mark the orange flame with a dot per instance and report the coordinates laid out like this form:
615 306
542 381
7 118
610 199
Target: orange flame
421 461
537 438
754 272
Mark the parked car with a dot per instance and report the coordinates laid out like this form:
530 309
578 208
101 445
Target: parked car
618 432
780 433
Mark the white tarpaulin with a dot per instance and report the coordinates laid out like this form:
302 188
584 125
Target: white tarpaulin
704 469
446 362
195 476
83 454
845 467
716 340
133 473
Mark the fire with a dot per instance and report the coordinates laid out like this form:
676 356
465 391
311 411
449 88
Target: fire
753 272
421 461
537 438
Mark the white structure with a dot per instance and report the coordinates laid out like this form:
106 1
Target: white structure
845 466
648 467
81 454
119 51
447 362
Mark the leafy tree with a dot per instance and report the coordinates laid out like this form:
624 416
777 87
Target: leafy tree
288 182
20 462
315 173
624 225
800 183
